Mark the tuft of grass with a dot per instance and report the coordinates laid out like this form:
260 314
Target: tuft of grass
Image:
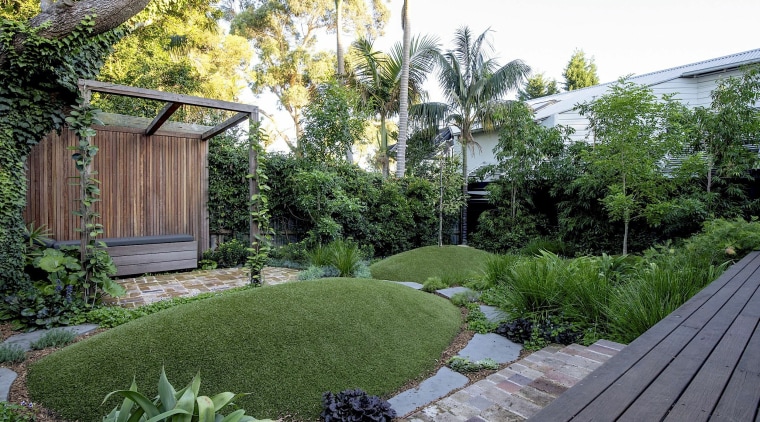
432 261
284 344
57 337
11 353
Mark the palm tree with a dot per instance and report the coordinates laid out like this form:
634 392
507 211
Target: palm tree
403 114
474 85
377 76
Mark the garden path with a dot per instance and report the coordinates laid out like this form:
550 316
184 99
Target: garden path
152 288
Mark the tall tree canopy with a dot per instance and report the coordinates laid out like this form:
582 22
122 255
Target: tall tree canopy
580 72
474 85
537 86
377 76
284 35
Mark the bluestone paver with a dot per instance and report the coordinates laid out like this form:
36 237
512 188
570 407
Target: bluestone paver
493 346
6 380
411 284
451 291
25 340
492 313
439 385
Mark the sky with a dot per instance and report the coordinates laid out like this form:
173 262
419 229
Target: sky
622 37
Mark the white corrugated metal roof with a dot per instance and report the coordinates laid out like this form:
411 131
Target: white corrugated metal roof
558 103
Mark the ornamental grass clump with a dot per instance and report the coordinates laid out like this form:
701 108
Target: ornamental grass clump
11 353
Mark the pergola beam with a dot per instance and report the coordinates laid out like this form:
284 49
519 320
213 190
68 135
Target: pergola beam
221 127
149 94
162 117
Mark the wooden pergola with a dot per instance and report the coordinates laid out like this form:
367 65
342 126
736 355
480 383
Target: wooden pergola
142 161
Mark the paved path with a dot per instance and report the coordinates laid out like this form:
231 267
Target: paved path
149 289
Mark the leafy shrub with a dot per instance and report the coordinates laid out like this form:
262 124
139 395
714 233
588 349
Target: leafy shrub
725 240
463 298
433 283
170 402
228 254
320 256
464 365
56 337
207 264
362 271
355 406
11 353
10 412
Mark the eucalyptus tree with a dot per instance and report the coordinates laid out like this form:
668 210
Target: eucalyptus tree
284 35
474 85
377 76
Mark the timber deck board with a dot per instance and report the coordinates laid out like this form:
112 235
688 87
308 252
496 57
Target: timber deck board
691 366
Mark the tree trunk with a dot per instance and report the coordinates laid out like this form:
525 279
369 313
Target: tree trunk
339 37
403 119
64 18
463 238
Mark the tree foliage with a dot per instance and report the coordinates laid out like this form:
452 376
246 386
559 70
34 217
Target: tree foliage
580 72
633 132
474 84
537 86
284 35
332 121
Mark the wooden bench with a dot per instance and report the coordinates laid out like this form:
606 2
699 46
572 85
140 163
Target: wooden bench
702 362
149 254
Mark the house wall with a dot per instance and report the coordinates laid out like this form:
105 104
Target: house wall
150 185
694 92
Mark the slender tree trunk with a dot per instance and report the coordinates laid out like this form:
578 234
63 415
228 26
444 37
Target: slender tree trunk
341 60
403 120
514 200
463 238
440 207
384 147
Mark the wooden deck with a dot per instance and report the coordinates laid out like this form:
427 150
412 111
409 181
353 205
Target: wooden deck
702 362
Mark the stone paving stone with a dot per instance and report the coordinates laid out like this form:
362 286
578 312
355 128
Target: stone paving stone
603 350
561 378
521 406
411 284
548 387
431 389
499 414
610 345
509 386
492 346
451 291
7 377
25 340
577 350
525 371
535 396
492 313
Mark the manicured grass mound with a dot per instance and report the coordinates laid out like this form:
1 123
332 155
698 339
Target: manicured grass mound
446 262
285 344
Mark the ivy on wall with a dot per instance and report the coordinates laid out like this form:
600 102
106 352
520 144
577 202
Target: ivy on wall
40 84
261 239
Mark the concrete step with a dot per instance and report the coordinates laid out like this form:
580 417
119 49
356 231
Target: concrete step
523 388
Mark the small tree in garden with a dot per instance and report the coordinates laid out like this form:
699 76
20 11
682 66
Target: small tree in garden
722 132
632 133
333 121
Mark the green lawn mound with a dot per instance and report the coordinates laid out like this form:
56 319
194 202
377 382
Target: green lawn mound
285 344
447 262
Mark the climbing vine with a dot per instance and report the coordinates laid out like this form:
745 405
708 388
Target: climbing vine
261 241
97 265
40 84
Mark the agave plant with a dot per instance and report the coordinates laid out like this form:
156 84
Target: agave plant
184 405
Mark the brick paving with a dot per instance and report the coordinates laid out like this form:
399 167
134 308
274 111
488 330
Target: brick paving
520 390
149 289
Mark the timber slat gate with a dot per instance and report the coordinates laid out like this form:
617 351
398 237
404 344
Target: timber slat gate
702 362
